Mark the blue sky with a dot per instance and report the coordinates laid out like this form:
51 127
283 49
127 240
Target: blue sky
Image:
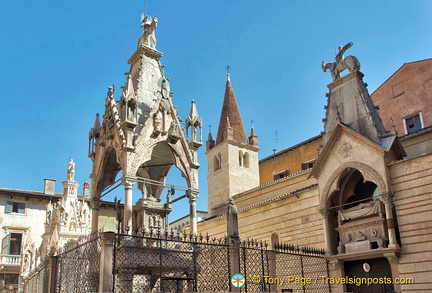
58 57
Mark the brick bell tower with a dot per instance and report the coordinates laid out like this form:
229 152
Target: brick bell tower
232 158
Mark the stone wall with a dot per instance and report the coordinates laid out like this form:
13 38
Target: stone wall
412 185
290 159
288 207
407 91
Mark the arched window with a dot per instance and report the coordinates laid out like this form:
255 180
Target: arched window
356 201
274 240
241 159
131 114
217 162
246 160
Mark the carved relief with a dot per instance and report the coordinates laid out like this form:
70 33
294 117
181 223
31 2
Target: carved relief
345 150
157 123
367 228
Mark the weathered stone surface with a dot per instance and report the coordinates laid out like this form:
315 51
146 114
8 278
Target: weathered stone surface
358 246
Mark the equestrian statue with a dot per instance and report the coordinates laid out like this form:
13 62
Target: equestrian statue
350 62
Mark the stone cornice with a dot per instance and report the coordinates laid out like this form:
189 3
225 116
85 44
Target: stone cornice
373 253
144 50
291 148
261 203
344 79
271 183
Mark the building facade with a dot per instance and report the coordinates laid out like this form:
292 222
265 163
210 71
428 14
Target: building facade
360 190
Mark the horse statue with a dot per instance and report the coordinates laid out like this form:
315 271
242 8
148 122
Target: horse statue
350 62
149 24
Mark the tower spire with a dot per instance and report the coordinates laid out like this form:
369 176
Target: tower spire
231 113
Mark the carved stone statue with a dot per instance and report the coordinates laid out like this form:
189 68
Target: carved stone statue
232 222
157 122
110 92
361 210
350 62
149 24
71 171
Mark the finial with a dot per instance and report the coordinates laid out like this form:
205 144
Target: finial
276 139
227 68
209 128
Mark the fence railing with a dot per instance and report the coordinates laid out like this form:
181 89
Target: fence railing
155 260
75 268
37 281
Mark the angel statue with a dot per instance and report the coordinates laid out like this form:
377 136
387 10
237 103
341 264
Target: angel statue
149 24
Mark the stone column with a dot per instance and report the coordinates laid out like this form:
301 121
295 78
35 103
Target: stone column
52 273
325 213
271 254
337 271
393 260
193 195
106 261
95 204
127 212
388 198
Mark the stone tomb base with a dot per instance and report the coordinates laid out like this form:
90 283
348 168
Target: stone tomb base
358 246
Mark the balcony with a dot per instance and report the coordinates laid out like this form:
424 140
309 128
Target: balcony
10 260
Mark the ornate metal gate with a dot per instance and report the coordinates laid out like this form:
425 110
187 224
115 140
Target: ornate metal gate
78 266
169 262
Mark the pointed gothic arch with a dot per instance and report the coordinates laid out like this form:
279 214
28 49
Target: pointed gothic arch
332 185
108 170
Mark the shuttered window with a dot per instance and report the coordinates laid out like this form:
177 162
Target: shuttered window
15 207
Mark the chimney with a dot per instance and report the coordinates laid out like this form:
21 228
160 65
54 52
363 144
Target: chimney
49 186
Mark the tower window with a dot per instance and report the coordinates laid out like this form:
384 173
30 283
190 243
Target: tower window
217 162
243 159
246 160
413 123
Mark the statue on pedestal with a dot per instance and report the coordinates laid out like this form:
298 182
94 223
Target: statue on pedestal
149 25
71 171
350 62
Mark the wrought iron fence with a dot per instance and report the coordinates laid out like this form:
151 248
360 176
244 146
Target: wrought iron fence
303 269
78 266
160 261
254 263
37 280
154 260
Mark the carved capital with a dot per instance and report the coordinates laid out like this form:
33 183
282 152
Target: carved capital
325 213
392 258
95 203
128 182
387 198
192 195
336 264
